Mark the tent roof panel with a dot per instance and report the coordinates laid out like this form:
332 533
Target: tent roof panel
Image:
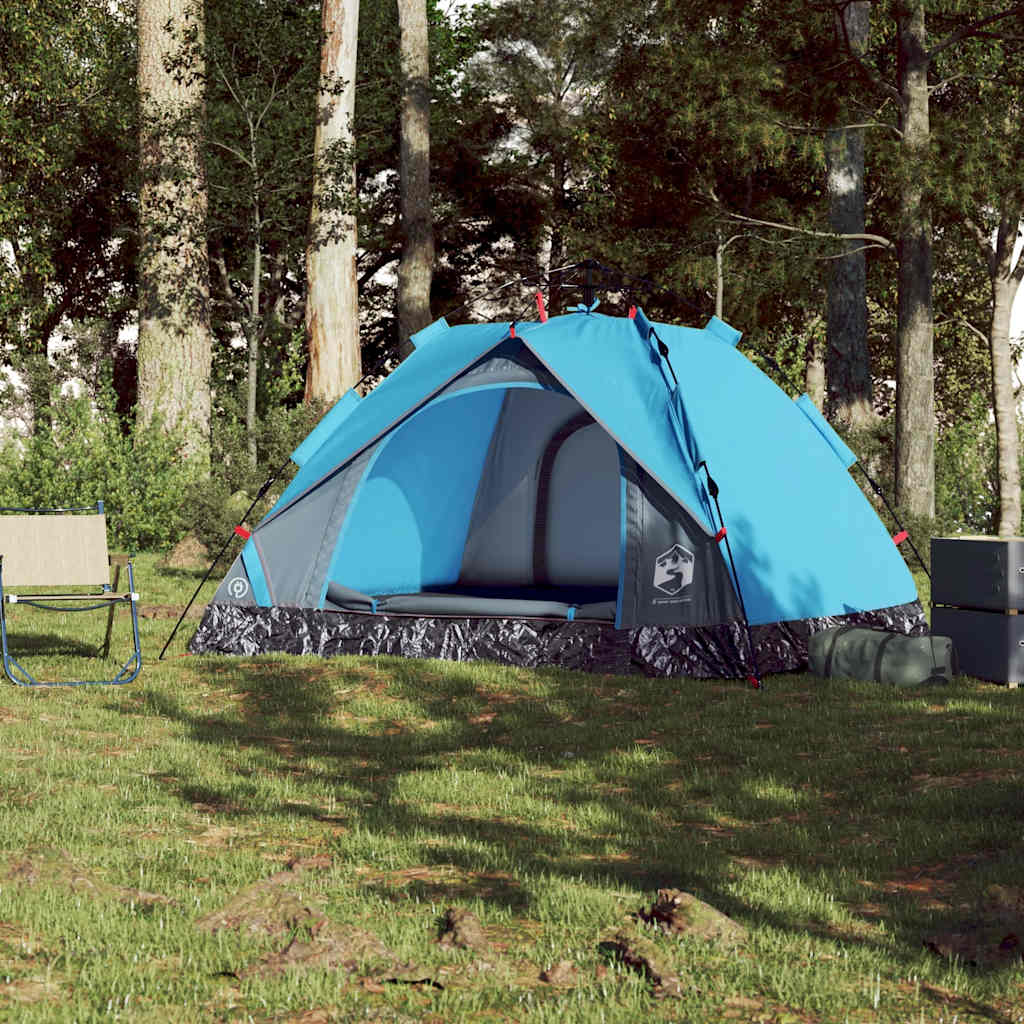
426 370
628 395
806 540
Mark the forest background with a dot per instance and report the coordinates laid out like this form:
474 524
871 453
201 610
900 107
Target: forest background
843 181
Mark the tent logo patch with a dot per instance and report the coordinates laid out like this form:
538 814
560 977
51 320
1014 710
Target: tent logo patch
673 570
238 588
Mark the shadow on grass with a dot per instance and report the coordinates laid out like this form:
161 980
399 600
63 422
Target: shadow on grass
778 807
26 645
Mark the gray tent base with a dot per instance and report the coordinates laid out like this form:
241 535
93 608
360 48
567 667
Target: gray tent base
703 652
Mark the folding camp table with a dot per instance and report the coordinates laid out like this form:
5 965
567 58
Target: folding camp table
62 547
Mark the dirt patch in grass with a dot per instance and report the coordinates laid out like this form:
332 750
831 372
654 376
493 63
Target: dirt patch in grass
54 869
679 914
170 611
563 974
17 946
35 989
442 882
274 908
640 954
992 936
271 906
327 946
924 783
462 930
938 886
188 553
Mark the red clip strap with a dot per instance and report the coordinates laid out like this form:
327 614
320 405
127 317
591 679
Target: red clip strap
754 682
632 312
243 532
900 537
720 536
541 310
512 330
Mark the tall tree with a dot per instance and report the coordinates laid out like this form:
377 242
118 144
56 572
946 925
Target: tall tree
67 159
987 196
1006 272
847 363
332 302
263 61
915 398
415 270
546 64
174 350
915 391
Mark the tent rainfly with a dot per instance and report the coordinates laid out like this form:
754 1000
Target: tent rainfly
588 491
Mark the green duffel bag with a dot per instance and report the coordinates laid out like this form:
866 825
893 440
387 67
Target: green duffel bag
857 652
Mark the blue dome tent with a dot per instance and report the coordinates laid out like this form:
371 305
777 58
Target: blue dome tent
591 491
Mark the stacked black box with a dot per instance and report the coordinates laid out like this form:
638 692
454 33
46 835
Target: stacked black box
977 592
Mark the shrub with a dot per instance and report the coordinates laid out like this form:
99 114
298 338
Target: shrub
83 456
216 505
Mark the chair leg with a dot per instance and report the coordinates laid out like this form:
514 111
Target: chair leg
105 651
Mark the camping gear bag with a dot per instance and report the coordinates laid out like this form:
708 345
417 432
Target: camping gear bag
857 652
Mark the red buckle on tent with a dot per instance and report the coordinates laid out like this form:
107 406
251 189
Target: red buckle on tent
900 537
511 330
754 682
720 536
632 312
243 532
540 308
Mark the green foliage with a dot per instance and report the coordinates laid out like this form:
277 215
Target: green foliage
214 506
263 67
67 153
966 499
85 456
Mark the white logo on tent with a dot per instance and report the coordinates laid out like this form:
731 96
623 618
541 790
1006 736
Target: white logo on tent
238 588
673 570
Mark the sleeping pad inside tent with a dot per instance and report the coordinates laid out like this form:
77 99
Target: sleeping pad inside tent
589 491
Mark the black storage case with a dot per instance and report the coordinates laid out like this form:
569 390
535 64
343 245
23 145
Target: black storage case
977 591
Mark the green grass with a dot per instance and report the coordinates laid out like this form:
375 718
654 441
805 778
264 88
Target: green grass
839 823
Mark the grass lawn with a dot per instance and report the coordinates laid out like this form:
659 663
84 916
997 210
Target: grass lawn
279 839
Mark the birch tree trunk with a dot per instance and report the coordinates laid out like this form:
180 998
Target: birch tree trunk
1006 274
415 271
175 341
915 380
332 303
848 367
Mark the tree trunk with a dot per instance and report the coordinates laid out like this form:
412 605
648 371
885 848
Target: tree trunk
1006 279
252 376
848 366
915 373
332 301
416 268
556 236
175 343
814 372
720 278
